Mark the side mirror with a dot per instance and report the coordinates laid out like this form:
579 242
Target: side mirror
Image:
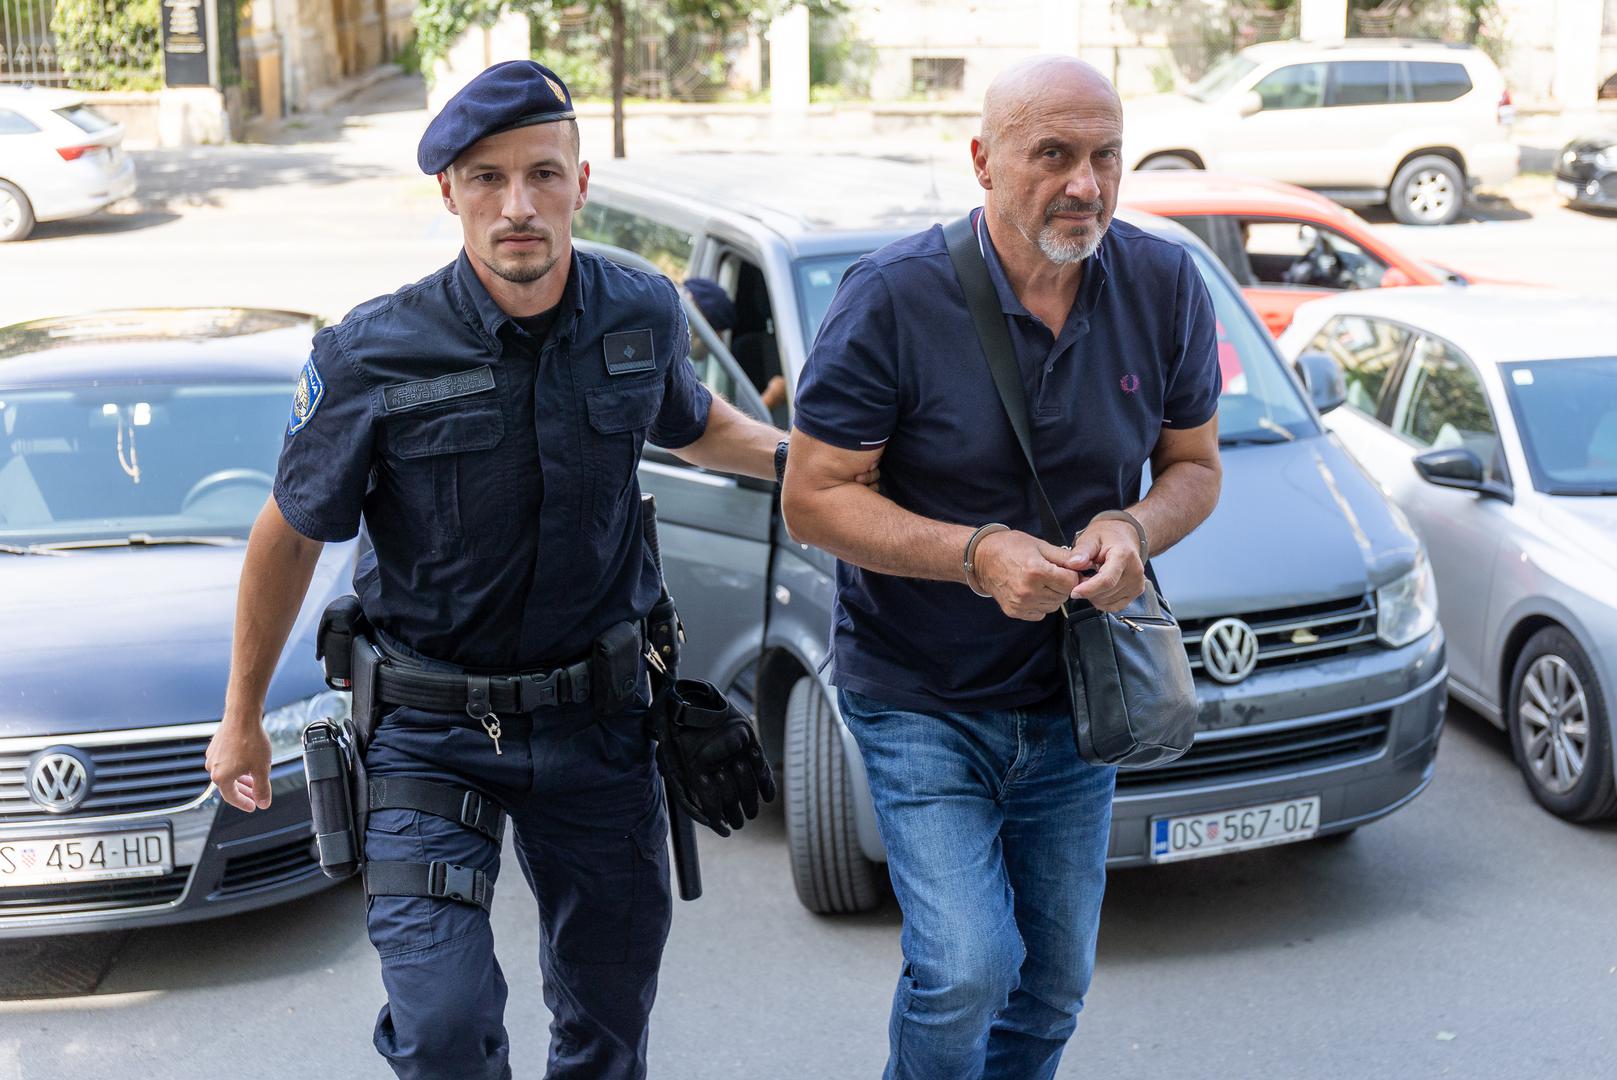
1249 103
1457 467
1322 378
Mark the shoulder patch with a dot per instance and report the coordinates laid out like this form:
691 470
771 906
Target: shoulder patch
306 398
629 352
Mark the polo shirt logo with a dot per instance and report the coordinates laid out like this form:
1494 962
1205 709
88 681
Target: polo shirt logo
1130 383
629 352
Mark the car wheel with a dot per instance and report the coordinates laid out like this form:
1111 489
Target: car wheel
1163 162
16 213
1428 191
830 871
1560 735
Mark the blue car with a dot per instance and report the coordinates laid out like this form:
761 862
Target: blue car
136 448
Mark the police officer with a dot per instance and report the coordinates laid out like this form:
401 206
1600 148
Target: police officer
486 424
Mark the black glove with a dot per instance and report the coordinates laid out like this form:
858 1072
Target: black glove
708 751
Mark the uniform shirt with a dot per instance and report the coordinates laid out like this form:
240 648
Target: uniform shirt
897 367
496 475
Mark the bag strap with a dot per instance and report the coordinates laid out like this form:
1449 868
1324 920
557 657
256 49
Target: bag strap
970 267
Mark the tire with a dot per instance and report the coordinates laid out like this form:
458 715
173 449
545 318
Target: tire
1166 162
1430 190
831 873
16 213
1556 697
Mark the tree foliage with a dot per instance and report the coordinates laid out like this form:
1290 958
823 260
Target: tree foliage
110 44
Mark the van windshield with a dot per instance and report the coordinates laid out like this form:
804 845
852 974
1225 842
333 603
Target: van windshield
1260 402
1220 77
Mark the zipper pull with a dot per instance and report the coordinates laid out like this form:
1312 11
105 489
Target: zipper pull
491 724
1131 624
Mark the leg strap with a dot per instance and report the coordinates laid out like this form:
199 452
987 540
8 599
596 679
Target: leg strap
439 880
452 803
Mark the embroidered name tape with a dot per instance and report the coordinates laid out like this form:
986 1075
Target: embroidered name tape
410 395
629 352
306 397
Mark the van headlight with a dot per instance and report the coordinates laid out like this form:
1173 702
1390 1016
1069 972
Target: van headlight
285 725
1406 610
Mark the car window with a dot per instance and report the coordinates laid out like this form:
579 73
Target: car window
817 281
1220 77
1361 82
665 246
1305 254
110 460
1368 350
1297 86
14 123
86 119
1443 406
1429 81
1566 411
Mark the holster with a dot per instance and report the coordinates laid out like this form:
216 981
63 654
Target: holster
615 663
328 763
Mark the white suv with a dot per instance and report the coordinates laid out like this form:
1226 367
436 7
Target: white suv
59 158
1414 124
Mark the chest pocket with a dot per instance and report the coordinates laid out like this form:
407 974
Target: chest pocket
620 415
450 475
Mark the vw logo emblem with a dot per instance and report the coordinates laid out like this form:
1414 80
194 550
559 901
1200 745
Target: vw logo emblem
59 779
1229 650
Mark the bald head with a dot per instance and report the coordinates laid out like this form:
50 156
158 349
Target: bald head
1041 84
1050 157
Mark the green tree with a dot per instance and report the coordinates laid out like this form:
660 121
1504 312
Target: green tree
439 22
109 44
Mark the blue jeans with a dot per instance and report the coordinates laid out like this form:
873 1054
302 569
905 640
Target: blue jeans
996 834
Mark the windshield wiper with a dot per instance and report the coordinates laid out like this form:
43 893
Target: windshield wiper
136 540
13 549
1264 436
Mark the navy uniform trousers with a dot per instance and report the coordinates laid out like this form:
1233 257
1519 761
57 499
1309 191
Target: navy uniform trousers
590 831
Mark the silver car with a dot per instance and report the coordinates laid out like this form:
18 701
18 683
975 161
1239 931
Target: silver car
1489 415
1305 599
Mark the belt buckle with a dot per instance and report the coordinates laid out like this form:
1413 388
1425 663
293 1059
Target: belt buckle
452 881
545 686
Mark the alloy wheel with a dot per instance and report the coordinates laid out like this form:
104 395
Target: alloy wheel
1554 719
1430 195
10 212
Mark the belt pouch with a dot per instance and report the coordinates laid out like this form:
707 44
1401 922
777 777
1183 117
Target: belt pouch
615 669
328 755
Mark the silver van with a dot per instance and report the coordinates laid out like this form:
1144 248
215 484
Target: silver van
1307 604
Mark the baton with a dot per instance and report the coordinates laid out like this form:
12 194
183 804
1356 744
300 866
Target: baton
681 830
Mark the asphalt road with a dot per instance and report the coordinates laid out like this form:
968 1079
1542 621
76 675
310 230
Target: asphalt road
1469 935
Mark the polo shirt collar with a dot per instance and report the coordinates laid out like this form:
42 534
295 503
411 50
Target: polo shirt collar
480 311
1010 304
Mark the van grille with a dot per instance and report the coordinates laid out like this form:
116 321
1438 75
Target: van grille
92 895
279 865
1234 754
1297 634
130 776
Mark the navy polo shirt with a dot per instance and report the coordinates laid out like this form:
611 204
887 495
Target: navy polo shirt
495 474
897 367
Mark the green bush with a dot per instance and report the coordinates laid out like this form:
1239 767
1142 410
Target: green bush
110 44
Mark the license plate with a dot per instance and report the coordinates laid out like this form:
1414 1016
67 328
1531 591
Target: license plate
1195 836
1566 190
55 860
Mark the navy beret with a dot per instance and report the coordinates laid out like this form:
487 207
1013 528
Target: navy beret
713 302
514 94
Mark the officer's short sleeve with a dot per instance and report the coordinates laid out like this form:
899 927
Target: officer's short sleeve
683 416
1193 382
326 455
848 394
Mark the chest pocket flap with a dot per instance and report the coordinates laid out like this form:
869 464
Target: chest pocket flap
627 407
453 431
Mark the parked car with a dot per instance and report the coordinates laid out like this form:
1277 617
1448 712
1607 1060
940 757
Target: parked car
1413 124
136 448
1313 632
1284 245
1490 416
59 158
1586 171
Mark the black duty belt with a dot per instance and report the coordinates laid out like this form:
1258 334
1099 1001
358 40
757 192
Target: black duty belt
480 695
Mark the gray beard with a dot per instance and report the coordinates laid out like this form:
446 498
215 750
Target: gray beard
1065 250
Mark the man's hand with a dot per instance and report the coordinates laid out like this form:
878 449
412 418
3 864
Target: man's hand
238 762
1112 549
1028 577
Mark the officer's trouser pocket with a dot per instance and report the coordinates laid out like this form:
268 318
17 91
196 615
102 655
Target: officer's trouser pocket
401 924
604 893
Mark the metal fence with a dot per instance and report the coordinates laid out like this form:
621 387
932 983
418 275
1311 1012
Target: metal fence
99 45
664 58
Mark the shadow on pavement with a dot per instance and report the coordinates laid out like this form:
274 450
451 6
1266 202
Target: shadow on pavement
106 223
1481 208
197 176
57 967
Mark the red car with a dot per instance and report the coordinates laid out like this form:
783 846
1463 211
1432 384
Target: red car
1284 245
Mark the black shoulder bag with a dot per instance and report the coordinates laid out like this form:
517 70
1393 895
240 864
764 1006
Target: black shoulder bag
1133 697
